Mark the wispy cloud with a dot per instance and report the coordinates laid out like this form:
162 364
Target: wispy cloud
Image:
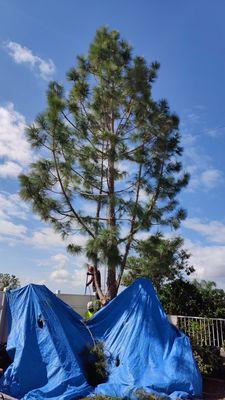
15 152
23 55
10 231
10 169
204 180
204 174
12 206
211 178
63 272
60 273
46 238
213 231
208 262
11 209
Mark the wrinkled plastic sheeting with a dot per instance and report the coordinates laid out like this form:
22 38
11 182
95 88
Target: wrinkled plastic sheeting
145 350
46 341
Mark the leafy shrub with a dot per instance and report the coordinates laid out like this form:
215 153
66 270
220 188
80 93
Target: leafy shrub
100 397
142 395
5 360
96 366
209 360
207 357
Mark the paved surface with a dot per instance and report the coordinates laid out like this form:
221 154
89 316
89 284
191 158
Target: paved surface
214 389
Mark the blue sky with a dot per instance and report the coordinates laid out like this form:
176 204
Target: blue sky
39 41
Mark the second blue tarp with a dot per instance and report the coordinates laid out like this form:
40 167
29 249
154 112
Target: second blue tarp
146 351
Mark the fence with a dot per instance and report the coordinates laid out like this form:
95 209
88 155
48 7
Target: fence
202 331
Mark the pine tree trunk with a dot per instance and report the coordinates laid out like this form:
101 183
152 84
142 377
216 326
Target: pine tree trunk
111 278
111 282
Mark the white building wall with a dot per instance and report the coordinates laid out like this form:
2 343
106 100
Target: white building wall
77 301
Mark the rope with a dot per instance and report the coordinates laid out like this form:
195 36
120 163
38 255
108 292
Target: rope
89 293
92 337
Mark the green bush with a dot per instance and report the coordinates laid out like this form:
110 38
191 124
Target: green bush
104 398
209 361
142 395
95 364
207 357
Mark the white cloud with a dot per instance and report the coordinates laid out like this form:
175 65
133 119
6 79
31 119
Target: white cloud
10 169
13 144
61 264
211 178
209 262
78 279
9 230
205 180
61 259
11 205
46 238
15 151
12 208
23 55
46 68
203 175
193 117
214 231
60 275
66 273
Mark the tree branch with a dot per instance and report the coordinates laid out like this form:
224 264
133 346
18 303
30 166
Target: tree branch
79 219
128 244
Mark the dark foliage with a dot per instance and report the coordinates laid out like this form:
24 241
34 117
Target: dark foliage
209 361
8 281
102 397
159 259
5 360
142 395
202 299
95 364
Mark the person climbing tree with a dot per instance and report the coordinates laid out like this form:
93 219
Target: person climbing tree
95 279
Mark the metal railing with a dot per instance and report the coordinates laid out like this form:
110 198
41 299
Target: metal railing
203 331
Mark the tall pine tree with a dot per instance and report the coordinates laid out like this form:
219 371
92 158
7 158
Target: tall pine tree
109 155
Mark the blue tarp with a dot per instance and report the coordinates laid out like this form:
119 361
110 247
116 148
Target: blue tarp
147 351
46 340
